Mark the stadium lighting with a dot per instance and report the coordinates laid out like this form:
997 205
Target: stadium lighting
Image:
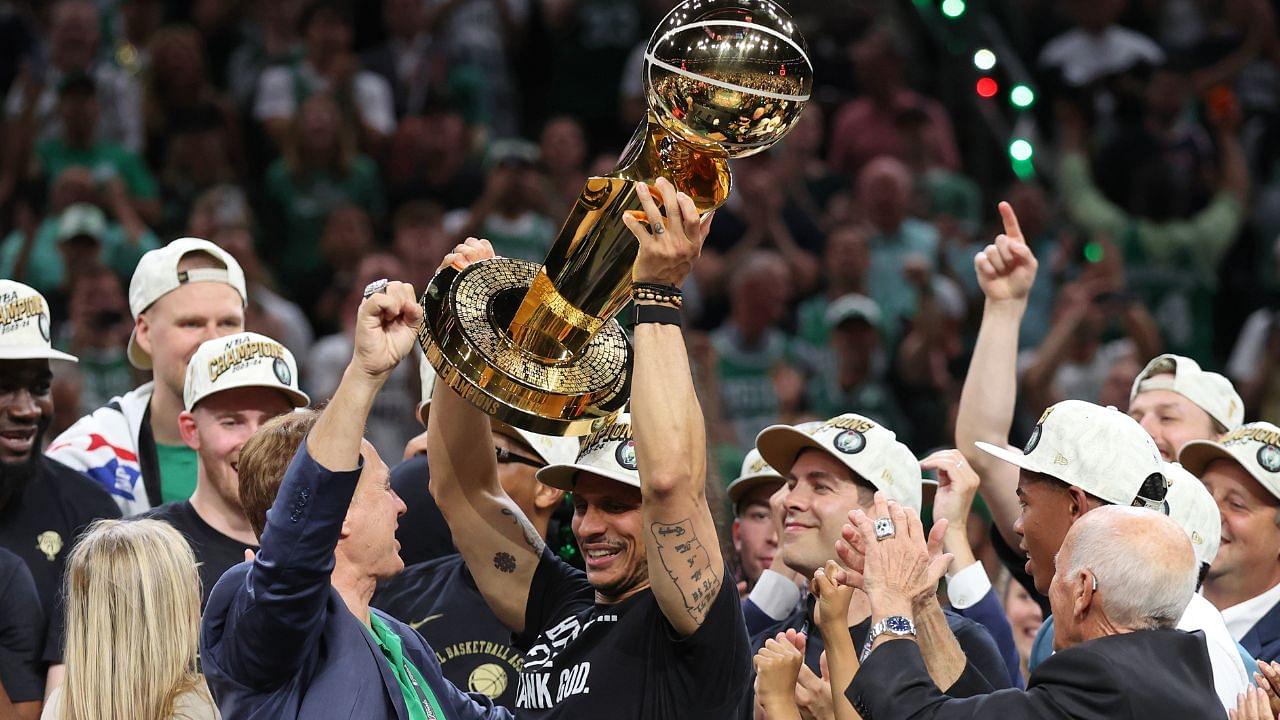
1020 150
1022 96
987 87
984 59
953 8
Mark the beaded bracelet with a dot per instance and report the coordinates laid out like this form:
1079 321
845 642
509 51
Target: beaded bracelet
654 292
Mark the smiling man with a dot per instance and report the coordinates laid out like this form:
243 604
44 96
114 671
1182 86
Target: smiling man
1242 470
1176 402
234 385
44 505
653 628
181 295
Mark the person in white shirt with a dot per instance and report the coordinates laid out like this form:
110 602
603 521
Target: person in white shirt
1242 470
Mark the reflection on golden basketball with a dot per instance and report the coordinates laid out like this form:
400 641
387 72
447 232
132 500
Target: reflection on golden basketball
489 680
734 72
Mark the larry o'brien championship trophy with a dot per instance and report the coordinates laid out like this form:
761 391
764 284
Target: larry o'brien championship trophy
537 346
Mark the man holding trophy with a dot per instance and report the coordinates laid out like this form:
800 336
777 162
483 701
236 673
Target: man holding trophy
653 628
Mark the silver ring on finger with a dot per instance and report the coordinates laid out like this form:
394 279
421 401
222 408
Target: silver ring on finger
659 228
375 287
884 528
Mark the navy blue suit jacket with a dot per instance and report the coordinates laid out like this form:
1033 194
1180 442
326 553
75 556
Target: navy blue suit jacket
277 641
1263 639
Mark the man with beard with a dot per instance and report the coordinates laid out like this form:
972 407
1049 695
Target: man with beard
44 505
234 384
653 628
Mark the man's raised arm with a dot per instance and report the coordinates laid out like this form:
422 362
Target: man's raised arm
1006 271
686 569
500 545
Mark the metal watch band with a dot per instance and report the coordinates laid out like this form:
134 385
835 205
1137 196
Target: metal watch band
881 628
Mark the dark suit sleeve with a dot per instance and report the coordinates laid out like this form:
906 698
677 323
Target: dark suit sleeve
276 616
988 613
893 684
984 670
21 620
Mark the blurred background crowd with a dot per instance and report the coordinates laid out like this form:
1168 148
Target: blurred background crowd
327 144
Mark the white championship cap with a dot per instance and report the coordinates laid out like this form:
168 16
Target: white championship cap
852 307
755 472
1210 391
1099 450
1192 506
242 360
157 275
1256 447
26 328
609 452
872 452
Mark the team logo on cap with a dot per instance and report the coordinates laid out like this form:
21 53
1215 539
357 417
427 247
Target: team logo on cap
42 322
1269 458
281 369
626 454
850 442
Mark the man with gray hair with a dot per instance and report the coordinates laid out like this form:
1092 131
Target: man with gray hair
1123 578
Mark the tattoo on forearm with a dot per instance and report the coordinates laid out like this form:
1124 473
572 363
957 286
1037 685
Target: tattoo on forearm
531 537
688 563
505 562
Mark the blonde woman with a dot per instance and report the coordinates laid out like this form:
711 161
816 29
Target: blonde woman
133 622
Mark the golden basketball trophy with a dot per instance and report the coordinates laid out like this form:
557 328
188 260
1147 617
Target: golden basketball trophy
537 346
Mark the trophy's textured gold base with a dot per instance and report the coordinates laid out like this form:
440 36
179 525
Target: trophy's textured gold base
545 390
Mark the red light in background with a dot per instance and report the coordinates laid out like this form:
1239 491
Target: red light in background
987 87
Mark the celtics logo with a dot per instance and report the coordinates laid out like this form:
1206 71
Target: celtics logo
282 371
1034 440
626 454
850 442
42 322
1269 458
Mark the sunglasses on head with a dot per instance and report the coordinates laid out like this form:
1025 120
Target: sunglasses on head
506 456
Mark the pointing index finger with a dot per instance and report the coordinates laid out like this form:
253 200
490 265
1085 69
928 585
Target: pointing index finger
1010 222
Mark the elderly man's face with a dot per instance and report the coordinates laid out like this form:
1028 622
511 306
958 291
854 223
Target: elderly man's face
1063 593
369 531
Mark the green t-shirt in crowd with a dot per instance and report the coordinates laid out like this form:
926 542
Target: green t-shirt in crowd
177 472
104 160
418 698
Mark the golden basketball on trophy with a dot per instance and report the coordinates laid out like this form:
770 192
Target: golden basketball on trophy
538 346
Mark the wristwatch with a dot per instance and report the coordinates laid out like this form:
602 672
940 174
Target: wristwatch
894 625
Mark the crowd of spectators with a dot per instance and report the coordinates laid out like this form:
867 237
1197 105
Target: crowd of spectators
323 145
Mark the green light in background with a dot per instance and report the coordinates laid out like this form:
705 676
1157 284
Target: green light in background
953 8
1020 150
1022 96
1024 169
1093 251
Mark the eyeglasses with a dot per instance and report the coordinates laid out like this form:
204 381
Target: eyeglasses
506 456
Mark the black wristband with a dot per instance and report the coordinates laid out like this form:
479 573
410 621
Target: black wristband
659 314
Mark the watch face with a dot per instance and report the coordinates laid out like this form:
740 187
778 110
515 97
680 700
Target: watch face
898 625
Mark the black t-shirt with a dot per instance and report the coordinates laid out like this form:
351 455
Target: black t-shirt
440 600
423 533
21 631
42 523
216 553
985 671
625 661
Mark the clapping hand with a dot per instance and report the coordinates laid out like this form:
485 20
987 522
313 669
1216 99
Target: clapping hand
1252 704
777 666
1268 680
899 571
1006 268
